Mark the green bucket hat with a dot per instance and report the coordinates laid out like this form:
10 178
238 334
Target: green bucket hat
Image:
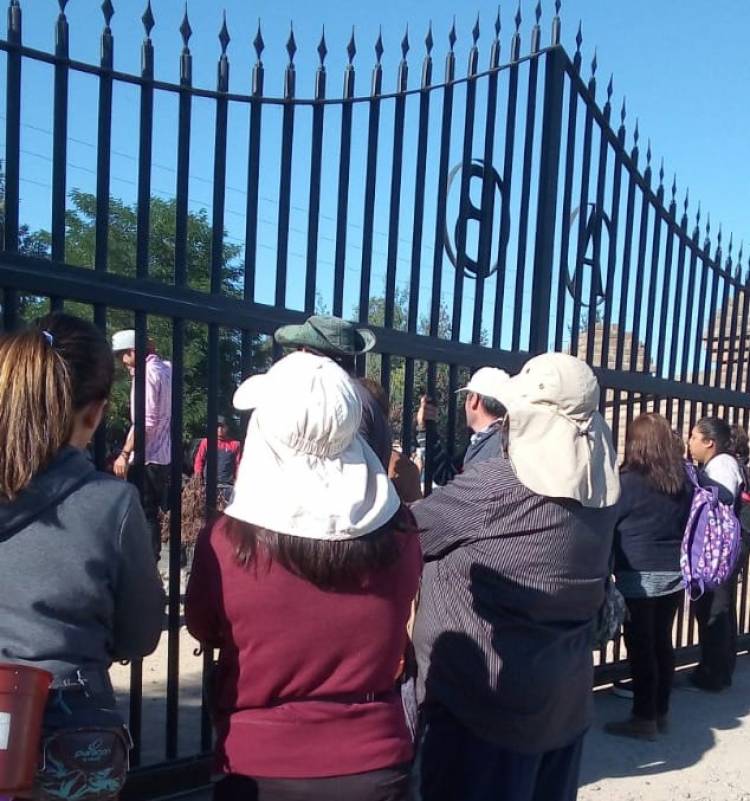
330 336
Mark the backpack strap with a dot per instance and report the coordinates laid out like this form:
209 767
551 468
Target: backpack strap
692 474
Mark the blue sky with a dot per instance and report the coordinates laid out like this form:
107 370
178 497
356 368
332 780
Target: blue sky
681 65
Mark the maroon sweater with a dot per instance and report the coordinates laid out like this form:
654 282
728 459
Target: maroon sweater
298 667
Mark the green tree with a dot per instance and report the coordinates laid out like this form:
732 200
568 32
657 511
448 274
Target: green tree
80 242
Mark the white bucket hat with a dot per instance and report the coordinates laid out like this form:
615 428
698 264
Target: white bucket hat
487 381
123 340
558 443
305 471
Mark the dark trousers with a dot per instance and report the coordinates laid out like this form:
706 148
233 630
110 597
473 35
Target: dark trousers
456 765
648 638
389 784
152 481
716 613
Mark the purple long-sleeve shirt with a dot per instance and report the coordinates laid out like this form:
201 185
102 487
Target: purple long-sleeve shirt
158 410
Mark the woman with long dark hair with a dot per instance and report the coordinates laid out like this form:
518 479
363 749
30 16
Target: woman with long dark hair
711 447
651 517
80 587
305 586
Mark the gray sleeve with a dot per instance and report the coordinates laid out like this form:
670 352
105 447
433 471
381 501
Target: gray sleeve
139 596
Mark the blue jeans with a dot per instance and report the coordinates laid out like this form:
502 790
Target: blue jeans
456 765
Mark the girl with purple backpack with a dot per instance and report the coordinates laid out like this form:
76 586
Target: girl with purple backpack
710 446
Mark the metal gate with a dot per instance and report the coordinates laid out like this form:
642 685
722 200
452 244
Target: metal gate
471 217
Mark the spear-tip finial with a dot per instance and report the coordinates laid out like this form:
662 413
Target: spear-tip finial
648 153
108 10
740 251
579 37
623 112
610 87
405 44
452 35
498 25
687 201
594 64
258 43
636 132
538 11
661 171
674 188
429 42
379 46
351 48
291 44
322 49
148 19
518 18
475 31
62 4
224 37
558 5
185 30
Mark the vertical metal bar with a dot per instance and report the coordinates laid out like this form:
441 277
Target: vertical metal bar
698 325
144 159
373 132
583 214
285 184
12 151
639 279
178 380
139 462
523 223
677 322
466 162
614 229
394 215
420 176
103 161
668 300
566 209
541 289
732 347
627 253
253 178
487 214
711 321
439 244
343 186
505 211
60 139
316 166
597 284
721 313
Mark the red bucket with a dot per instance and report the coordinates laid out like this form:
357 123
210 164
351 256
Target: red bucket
23 696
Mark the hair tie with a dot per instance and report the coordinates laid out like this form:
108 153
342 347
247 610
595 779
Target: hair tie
50 339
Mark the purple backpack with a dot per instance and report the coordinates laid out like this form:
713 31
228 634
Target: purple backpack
712 541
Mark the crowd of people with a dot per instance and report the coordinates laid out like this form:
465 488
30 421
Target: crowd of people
373 644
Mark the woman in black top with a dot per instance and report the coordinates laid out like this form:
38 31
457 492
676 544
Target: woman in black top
651 517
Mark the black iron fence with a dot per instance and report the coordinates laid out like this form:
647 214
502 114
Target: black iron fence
471 217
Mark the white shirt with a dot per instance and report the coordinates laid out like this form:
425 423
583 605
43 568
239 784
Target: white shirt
723 472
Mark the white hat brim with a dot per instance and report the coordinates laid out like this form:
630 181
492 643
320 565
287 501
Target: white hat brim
307 496
558 457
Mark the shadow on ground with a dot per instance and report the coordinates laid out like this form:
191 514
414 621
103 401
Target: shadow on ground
696 720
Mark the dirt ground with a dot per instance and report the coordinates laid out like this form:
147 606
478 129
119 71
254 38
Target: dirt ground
706 756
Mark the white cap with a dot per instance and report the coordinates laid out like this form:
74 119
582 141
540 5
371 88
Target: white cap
305 471
123 340
487 381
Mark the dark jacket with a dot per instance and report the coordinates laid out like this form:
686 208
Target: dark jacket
511 583
485 445
650 525
375 428
80 587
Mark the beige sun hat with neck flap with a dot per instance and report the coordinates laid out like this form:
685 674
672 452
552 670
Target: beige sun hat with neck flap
559 444
305 470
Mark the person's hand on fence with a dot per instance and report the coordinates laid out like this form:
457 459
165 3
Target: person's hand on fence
427 412
120 466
